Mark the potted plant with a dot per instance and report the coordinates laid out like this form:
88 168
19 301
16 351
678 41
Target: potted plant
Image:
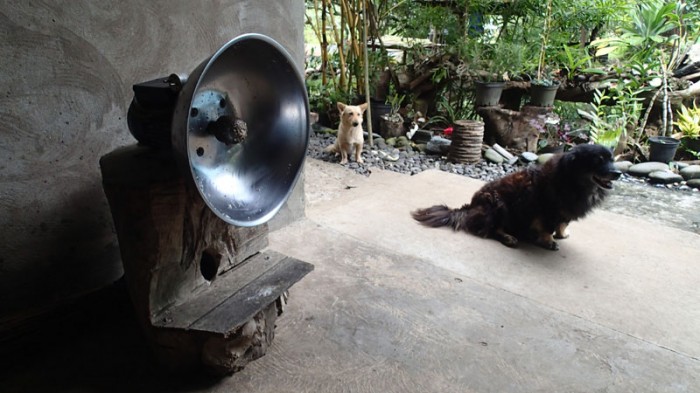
391 124
490 64
543 89
543 92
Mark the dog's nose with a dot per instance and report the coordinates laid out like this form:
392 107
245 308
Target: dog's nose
615 174
355 123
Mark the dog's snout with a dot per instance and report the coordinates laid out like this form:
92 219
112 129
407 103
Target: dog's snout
355 123
615 174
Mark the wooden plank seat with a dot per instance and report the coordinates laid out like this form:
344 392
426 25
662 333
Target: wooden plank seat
235 296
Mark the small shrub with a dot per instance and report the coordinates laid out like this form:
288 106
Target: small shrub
688 122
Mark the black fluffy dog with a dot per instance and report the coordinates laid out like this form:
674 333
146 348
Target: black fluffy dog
535 204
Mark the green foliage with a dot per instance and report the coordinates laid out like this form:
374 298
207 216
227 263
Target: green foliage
419 20
494 40
647 33
574 59
606 129
323 98
613 113
452 111
569 17
688 122
396 100
493 61
568 113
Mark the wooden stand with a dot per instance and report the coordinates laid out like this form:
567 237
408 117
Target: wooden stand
518 130
203 293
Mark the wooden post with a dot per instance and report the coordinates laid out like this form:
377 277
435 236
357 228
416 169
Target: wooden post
195 281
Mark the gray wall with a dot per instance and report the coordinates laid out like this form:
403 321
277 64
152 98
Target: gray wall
67 70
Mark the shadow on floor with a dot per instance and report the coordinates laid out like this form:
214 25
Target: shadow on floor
94 345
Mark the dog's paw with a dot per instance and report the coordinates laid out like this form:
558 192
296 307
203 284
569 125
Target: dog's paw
509 241
562 231
360 160
549 245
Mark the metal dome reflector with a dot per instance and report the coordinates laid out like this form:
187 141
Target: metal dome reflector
240 127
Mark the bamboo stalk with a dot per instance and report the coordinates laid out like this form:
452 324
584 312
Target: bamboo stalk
351 23
545 37
340 44
369 108
324 43
665 107
646 114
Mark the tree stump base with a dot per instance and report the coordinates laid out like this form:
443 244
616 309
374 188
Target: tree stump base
517 130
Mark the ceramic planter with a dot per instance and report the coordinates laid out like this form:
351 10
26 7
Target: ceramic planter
543 96
379 109
662 148
488 93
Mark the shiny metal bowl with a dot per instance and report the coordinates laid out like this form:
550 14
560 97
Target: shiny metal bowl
251 83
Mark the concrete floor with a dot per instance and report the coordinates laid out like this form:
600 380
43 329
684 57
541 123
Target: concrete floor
396 307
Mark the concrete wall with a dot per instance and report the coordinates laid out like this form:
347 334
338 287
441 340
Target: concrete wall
67 70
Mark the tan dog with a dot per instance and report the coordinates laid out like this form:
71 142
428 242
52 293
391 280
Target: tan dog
349 132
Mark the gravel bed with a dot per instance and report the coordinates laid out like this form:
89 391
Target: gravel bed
405 161
412 162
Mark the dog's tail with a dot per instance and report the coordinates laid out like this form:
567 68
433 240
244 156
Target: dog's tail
442 216
332 148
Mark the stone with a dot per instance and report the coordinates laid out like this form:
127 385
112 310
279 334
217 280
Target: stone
388 157
391 141
623 166
645 168
691 172
376 139
438 145
402 141
422 136
665 177
693 183
492 155
325 130
542 158
527 156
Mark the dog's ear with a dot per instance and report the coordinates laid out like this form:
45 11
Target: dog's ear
341 106
363 107
568 159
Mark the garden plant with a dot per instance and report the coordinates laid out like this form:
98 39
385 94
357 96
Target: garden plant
617 61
